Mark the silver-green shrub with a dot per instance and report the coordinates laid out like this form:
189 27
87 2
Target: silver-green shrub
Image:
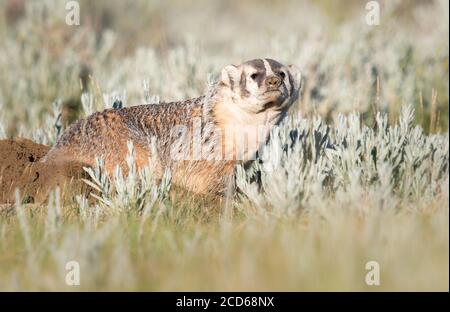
308 163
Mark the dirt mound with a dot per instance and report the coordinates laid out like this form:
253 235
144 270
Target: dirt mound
16 156
20 168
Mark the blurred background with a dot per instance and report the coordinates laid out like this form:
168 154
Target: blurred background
142 51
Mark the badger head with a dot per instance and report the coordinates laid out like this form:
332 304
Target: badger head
261 85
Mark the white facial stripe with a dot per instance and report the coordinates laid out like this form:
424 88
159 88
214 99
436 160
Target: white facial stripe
287 83
269 71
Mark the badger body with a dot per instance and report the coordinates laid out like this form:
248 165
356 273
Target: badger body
199 140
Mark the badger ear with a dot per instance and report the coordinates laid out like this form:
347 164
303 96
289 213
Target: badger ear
296 76
229 74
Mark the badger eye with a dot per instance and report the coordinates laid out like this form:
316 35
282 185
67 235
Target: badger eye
254 76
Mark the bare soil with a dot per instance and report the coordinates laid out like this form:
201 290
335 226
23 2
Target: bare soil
21 168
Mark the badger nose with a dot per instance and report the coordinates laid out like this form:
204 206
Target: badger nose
273 82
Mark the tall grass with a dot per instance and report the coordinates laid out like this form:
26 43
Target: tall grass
326 200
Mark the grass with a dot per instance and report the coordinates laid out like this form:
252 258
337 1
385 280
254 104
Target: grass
310 229
358 173
191 248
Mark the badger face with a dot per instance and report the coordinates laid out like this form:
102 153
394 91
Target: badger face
262 84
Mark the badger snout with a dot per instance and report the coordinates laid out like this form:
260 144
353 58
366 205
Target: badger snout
273 83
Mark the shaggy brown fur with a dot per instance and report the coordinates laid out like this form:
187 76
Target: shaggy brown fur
255 93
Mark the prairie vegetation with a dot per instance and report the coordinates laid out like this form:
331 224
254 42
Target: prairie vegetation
359 172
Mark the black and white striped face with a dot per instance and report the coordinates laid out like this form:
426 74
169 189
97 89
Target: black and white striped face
262 84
